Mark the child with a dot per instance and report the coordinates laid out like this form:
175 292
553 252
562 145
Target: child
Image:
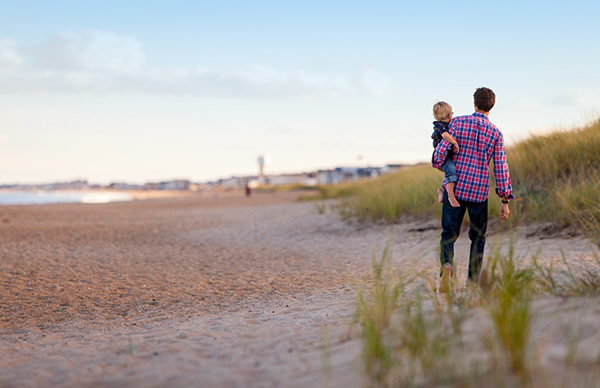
442 111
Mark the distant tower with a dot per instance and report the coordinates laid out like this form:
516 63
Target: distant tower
263 163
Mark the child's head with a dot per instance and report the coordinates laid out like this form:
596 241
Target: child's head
442 111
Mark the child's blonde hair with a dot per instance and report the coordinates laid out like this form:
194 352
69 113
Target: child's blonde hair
441 110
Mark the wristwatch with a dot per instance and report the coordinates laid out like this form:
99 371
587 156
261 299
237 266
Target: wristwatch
505 201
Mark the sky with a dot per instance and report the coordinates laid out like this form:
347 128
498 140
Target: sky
138 91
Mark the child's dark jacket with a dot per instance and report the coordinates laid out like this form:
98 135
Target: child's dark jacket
439 127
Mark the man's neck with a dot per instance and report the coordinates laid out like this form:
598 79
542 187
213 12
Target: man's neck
483 112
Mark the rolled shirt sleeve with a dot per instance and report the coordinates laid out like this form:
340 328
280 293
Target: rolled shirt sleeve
439 154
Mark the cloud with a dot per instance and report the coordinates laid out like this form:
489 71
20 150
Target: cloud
528 104
566 98
580 98
97 62
298 128
259 82
10 58
377 84
253 81
88 51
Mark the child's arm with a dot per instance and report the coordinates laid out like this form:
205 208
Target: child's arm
451 140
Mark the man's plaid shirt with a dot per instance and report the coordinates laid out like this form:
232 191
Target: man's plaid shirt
479 140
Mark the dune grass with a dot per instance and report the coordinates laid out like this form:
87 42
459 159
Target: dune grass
509 305
554 176
414 337
282 188
558 173
411 191
374 313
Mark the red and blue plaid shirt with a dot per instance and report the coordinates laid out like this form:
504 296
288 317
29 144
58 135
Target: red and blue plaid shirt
479 141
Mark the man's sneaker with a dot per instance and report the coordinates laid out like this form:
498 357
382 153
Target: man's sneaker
445 281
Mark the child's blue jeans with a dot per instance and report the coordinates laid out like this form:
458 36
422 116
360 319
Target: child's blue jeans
450 169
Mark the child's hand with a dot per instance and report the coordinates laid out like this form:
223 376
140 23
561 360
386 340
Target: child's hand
455 148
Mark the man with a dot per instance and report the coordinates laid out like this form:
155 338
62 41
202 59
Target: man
479 141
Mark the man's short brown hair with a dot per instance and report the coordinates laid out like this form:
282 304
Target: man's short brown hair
484 99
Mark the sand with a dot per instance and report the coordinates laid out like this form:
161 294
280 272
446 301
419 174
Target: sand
198 290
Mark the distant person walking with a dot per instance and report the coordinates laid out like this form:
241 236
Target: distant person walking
480 141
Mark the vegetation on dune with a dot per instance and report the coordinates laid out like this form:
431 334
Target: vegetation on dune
410 191
282 188
495 335
558 173
554 176
502 332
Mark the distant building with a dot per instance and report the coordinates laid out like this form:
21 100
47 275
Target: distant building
324 177
287 179
369 172
151 186
263 163
344 174
179 184
75 185
124 186
392 168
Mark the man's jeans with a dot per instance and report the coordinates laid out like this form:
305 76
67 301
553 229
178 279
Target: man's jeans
452 218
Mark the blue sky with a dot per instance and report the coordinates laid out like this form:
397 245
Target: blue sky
139 91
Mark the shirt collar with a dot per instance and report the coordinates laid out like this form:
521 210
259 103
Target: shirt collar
481 116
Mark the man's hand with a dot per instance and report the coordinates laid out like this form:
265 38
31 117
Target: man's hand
504 212
455 148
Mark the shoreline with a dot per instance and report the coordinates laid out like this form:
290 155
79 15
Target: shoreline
89 196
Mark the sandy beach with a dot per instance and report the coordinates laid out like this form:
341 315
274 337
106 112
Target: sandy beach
198 290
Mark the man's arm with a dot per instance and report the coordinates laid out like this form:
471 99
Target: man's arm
448 137
502 175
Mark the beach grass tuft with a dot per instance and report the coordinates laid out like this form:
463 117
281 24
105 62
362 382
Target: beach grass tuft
374 313
509 306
